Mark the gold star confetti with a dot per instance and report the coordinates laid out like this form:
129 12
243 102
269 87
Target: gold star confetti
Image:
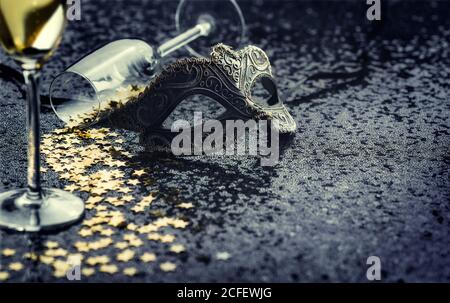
81 246
92 161
87 271
179 224
136 242
126 154
94 199
121 245
129 237
51 244
119 163
85 232
138 208
107 232
46 259
60 273
65 176
8 252
125 255
60 268
185 205
139 172
168 266
148 200
71 187
223 256
167 238
102 243
76 257
31 256
112 200
59 252
154 236
95 260
4 276
148 257
98 191
127 198
132 227
124 190
130 271
162 222
147 228
101 208
133 182
177 248
117 221
59 169
110 269
16 266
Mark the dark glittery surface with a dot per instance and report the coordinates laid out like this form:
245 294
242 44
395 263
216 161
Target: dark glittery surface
367 172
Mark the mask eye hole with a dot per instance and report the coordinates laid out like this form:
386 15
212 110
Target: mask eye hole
210 109
264 92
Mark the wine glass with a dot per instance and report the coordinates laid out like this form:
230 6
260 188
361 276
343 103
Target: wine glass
82 94
30 31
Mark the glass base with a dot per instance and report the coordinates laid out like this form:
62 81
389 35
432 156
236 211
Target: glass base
59 209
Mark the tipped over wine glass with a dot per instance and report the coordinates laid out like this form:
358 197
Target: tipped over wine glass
83 93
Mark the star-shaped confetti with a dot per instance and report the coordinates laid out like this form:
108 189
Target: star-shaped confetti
15 266
4 276
168 266
110 268
92 161
148 257
139 172
8 252
125 255
130 271
223 256
87 271
185 205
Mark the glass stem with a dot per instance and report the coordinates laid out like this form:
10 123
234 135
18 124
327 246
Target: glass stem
33 128
200 30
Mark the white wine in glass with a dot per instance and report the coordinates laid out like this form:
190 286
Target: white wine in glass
30 30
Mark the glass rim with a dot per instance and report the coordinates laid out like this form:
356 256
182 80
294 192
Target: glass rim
69 71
